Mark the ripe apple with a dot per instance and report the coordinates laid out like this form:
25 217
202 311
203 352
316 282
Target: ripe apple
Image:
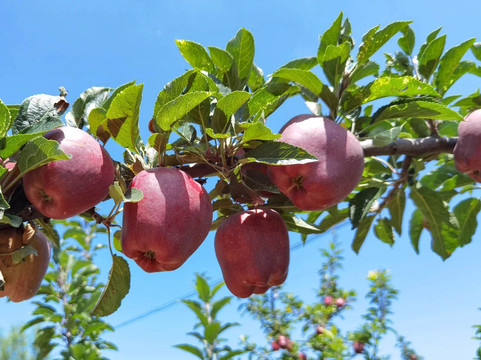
173 218
252 248
327 181
283 341
467 149
358 347
302 356
275 346
23 280
320 330
340 302
65 188
328 300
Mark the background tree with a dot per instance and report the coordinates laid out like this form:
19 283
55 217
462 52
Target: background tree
16 345
65 301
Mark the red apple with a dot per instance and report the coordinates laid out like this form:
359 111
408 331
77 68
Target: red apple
340 302
173 218
358 347
468 147
326 182
320 330
9 177
328 300
252 248
283 341
275 346
23 280
302 356
65 188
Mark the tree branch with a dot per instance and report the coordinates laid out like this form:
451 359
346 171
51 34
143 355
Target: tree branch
411 147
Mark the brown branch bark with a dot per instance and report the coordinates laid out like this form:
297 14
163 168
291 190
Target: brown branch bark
411 147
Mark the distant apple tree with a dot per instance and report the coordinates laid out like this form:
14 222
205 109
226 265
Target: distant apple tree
377 135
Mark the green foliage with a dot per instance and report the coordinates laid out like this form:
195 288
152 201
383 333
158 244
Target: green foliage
68 297
281 314
14 345
206 311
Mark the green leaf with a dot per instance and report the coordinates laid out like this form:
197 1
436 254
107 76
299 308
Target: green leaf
14 110
310 81
118 240
214 135
11 144
476 49
396 208
269 97
117 287
133 195
212 330
219 304
418 109
116 193
333 218
91 98
191 349
11 220
173 89
299 225
416 227
38 152
448 64
95 119
383 231
334 61
438 218
195 54
386 86
22 253
306 63
361 71
49 230
35 109
202 288
122 120
242 49
280 153
384 133
330 37
256 78
177 108
406 42
230 103
5 120
373 40
361 233
106 105
430 57
466 212
196 308
222 59
258 131
361 203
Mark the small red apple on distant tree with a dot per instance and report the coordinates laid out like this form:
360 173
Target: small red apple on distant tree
327 181
468 146
328 300
283 341
275 346
302 356
340 302
22 280
161 231
252 248
358 347
320 330
65 188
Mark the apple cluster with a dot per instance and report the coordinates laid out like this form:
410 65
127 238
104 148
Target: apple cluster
161 231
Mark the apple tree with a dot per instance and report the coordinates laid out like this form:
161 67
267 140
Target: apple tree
378 132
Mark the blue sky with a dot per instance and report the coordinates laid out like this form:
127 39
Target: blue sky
79 44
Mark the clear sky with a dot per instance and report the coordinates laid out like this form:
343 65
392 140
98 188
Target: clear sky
79 44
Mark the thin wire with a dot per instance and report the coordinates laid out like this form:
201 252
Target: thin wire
176 300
